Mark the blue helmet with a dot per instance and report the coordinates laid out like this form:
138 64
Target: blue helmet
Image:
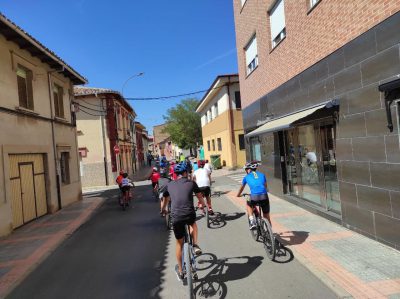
180 167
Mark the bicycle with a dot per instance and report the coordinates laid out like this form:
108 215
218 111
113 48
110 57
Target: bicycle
188 262
263 230
168 218
125 199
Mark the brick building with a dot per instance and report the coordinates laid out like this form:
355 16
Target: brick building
315 80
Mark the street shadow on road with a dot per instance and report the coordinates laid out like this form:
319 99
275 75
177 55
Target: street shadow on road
292 237
219 220
220 271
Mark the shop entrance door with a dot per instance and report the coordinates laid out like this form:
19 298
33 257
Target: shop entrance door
311 165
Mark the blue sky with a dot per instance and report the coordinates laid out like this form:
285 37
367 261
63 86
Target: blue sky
180 45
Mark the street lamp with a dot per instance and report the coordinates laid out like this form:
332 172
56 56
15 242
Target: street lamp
133 76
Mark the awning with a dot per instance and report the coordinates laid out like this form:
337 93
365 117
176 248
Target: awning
284 122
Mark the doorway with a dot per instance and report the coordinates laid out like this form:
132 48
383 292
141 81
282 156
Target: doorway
310 162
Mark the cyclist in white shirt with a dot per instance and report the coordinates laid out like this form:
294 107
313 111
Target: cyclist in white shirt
208 166
202 177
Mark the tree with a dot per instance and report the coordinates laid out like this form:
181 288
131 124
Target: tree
183 124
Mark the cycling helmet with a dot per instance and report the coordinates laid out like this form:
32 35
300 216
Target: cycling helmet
154 169
121 172
180 167
201 163
251 165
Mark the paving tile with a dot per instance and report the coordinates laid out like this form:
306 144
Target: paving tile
368 260
4 270
19 250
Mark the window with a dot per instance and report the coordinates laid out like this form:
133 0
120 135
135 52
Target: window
313 3
213 145
238 100
25 91
58 94
209 116
241 142
277 22
215 110
251 55
64 165
219 144
208 145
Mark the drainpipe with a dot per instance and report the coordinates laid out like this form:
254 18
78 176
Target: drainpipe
54 138
231 127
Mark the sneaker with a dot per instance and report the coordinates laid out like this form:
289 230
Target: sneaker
179 275
253 225
197 249
210 212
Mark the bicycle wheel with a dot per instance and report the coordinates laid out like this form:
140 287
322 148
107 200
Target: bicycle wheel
268 239
188 269
207 216
254 232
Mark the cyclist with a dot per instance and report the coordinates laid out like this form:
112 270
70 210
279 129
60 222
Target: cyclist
162 186
119 181
258 192
172 174
154 177
203 179
126 185
180 192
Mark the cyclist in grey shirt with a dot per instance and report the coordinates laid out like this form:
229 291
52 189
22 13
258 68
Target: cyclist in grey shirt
180 192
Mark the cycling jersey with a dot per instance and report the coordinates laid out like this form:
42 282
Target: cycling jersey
181 194
162 184
256 181
202 177
155 176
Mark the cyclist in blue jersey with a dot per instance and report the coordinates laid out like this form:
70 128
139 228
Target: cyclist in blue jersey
258 192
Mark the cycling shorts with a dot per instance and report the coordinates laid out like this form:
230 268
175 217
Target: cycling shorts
264 203
205 190
179 225
125 188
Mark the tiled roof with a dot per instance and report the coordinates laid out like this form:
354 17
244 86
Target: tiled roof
16 34
84 90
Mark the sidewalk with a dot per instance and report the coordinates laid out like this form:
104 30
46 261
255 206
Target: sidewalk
349 263
23 250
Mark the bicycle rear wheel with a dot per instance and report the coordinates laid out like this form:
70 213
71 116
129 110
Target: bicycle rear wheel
254 232
207 216
268 239
188 269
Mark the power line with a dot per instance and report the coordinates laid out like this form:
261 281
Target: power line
179 95
81 110
80 105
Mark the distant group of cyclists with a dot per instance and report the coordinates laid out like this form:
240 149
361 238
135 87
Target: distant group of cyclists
177 182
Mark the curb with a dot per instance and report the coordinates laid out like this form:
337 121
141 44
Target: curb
21 271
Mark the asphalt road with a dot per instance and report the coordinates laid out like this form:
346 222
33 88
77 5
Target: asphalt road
129 254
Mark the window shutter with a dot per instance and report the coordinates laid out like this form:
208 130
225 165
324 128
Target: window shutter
29 80
22 94
238 101
277 19
251 50
61 101
55 96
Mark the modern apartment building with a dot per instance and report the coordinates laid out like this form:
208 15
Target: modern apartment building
222 123
320 85
39 171
106 135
